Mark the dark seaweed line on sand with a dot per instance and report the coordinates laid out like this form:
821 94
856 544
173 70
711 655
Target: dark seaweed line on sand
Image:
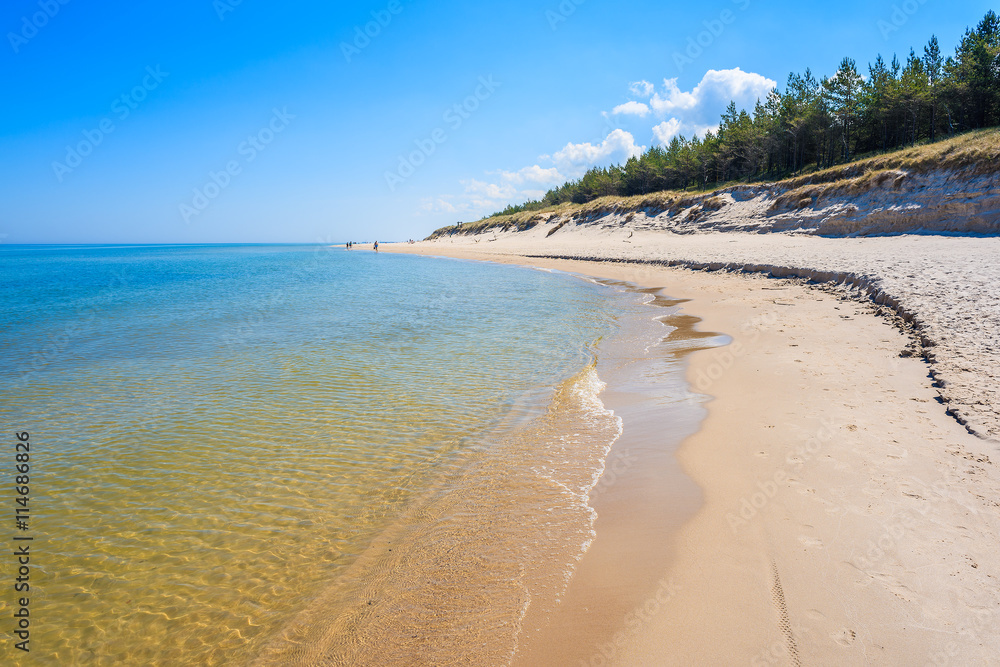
866 289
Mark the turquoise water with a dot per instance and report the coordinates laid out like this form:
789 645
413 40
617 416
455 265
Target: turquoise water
225 439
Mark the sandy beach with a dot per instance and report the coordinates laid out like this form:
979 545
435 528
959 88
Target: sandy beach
848 517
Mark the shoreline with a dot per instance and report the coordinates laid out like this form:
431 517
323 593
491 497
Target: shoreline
523 489
846 519
942 287
643 496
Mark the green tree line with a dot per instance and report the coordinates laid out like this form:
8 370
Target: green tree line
818 123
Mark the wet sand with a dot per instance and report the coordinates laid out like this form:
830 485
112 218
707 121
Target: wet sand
846 518
643 497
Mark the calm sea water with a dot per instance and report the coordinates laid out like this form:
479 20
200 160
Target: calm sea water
280 454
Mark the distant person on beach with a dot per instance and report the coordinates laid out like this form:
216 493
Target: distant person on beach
376 246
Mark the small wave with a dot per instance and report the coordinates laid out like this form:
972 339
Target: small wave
467 562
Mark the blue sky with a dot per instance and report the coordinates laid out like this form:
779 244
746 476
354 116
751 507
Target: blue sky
251 121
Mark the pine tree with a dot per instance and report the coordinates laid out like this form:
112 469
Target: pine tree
933 65
842 91
875 101
913 93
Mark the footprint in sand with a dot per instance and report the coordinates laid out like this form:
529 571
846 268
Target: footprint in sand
844 637
815 615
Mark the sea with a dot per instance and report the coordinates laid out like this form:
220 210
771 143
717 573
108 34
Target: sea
281 454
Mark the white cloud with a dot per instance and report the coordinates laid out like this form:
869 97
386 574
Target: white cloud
631 108
717 87
671 127
533 174
667 130
674 98
693 112
618 143
702 130
641 88
437 205
734 84
483 197
483 190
